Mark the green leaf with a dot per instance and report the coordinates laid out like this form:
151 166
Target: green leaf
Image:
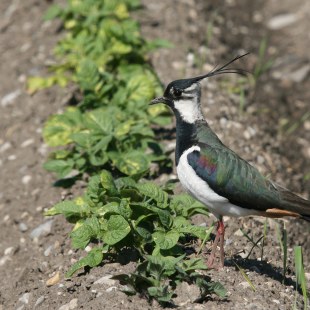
196 231
61 167
94 258
300 273
68 209
166 240
159 43
162 294
130 163
117 229
153 191
59 128
246 277
107 183
81 236
167 263
87 74
187 206
194 264
100 120
211 287
53 12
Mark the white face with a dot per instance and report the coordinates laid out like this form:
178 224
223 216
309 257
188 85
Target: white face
188 105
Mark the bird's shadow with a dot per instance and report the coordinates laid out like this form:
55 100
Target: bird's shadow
262 268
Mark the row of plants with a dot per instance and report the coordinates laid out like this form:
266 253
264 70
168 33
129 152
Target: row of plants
107 136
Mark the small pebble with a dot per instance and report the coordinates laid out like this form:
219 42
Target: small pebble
88 248
42 230
244 284
70 306
9 98
105 280
26 179
48 251
25 298
9 251
22 227
238 233
12 157
280 21
5 146
27 143
39 301
4 259
6 218
53 280
110 289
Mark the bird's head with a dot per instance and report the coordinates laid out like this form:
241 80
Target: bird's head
183 96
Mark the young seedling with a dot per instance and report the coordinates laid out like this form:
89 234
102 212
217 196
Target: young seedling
300 276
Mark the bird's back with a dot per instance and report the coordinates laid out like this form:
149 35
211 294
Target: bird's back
235 179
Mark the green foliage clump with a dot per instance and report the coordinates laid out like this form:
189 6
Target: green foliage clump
109 133
143 218
105 55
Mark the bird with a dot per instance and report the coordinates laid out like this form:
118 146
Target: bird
213 173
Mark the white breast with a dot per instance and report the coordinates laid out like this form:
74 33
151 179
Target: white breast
200 190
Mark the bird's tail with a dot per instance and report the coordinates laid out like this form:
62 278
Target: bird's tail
294 203
305 217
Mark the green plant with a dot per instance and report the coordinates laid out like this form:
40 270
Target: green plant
254 243
95 139
158 276
142 217
105 55
300 275
245 276
108 136
262 65
287 127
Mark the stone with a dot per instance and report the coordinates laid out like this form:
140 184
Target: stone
39 301
71 305
299 74
27 143
26 179
53 280
42 230
9 251
280 21
4 259
25 298
9 98
22 227
238 233
105 280
48 250
5 146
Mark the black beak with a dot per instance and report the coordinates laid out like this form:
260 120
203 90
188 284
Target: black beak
161 100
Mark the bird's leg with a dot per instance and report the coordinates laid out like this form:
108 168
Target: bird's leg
219 239
221 231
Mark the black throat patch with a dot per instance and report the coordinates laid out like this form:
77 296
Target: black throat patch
186 136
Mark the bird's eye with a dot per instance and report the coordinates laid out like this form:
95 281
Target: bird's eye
177 92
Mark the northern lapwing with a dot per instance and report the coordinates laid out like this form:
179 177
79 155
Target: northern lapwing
214 174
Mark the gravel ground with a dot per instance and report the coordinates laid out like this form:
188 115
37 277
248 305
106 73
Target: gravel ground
35 252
